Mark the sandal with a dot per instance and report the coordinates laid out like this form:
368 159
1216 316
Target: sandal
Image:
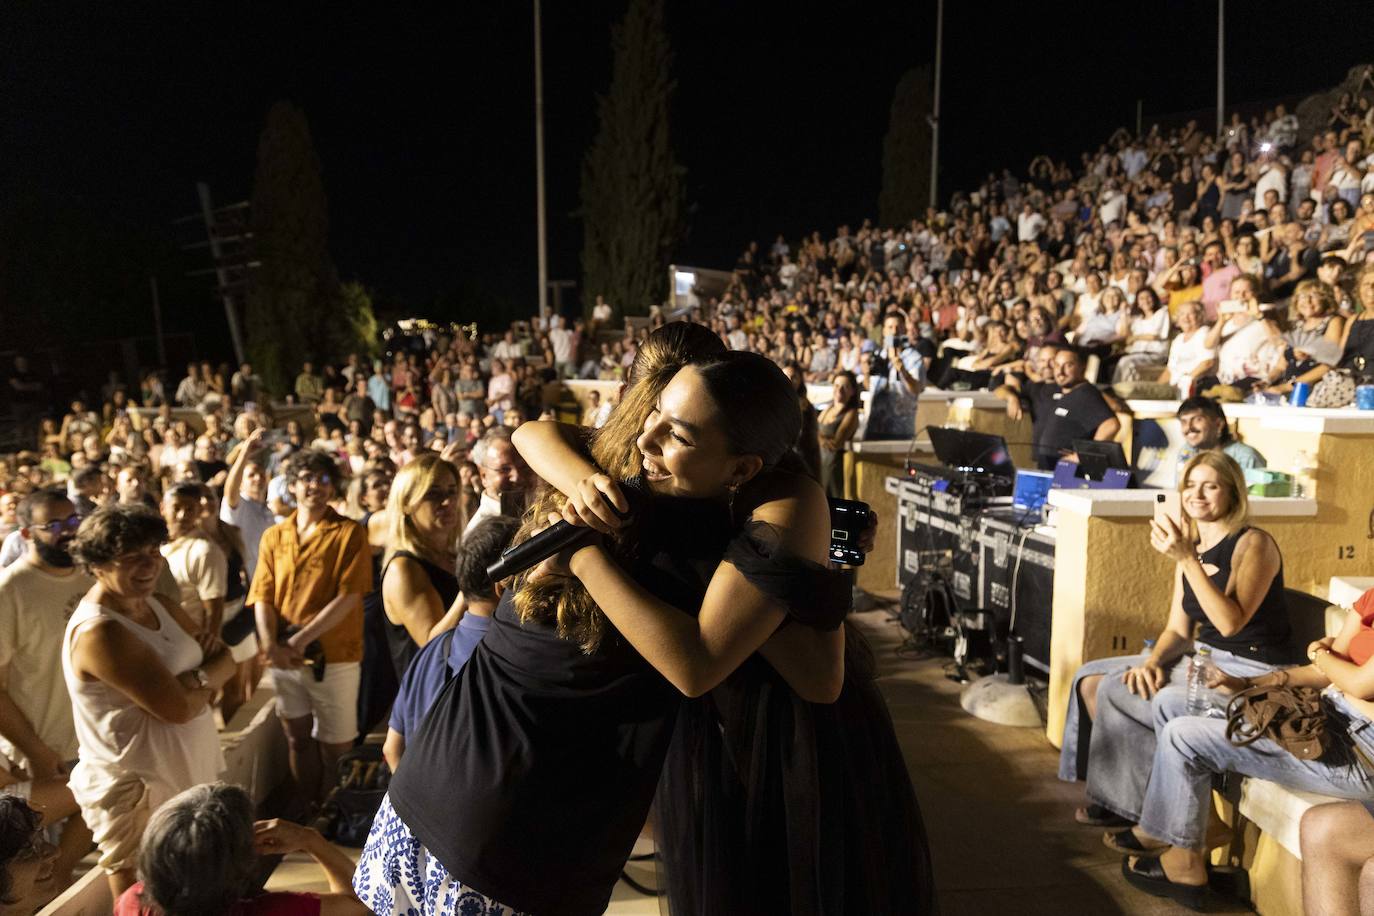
1095 815
1128 844
1148 875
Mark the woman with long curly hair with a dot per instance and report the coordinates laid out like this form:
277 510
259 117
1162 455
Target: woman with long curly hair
533 772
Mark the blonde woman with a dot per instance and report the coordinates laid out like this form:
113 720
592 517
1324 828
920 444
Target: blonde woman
418 584
1228 588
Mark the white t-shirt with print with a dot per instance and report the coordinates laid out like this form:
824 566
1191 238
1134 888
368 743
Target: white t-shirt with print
34 608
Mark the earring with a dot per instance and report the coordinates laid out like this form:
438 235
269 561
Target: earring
730 500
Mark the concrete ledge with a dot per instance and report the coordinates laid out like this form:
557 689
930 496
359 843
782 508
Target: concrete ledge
1278 811
1343 420
1141 503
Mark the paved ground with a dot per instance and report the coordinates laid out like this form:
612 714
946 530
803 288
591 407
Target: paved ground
1001 825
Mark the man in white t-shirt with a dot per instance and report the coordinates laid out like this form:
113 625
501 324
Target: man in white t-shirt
564 347
37 596
1273 177
245 501
508 348
1029 224
601 312
196 562
1111 205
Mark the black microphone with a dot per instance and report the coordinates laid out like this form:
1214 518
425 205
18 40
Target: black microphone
554 539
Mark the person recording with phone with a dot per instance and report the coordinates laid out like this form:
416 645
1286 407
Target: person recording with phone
1228 590
898 378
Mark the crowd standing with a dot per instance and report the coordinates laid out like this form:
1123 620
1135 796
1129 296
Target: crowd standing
169 540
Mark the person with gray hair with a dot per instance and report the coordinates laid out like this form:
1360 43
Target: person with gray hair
506 479
199 857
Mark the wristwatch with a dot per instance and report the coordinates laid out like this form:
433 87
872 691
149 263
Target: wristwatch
202 679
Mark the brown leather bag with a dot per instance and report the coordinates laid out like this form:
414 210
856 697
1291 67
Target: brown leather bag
1291 717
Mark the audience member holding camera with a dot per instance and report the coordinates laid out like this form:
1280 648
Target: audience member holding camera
1228 589
141 685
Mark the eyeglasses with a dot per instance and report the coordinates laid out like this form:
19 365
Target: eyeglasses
59 525
319 479
506 470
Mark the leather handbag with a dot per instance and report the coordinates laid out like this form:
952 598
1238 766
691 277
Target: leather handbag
1291 717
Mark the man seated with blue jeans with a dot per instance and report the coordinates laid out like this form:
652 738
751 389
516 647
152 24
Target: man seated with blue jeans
443 656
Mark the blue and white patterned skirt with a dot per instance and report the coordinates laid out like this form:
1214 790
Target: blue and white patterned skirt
397 876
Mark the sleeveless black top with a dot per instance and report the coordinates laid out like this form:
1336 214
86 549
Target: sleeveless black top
532 774
398 641
1268 637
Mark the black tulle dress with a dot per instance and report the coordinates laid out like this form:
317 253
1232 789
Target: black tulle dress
772 805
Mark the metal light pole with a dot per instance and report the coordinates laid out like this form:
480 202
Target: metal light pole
1221 65
541 219
935 106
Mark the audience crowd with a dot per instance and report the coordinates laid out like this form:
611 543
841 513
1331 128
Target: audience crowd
169 540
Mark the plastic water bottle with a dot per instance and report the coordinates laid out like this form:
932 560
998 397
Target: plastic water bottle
1198 666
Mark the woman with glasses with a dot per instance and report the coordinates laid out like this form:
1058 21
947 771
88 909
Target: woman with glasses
418 584
140 684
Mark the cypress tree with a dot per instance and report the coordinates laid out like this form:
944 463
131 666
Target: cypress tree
906 150
294 293
632 186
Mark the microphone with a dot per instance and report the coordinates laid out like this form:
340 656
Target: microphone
554 539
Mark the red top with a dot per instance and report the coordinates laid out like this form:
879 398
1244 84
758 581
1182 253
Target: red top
274 903
1362 645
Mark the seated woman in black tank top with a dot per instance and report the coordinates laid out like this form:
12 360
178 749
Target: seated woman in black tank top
532 774
419 589
1228 597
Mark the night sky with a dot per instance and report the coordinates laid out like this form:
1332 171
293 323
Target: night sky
423 118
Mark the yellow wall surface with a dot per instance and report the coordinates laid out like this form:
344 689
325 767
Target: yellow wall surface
879 572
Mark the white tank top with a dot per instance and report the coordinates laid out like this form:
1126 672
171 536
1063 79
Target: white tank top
118 737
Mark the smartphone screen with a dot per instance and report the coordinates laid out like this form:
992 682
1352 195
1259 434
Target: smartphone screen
848 519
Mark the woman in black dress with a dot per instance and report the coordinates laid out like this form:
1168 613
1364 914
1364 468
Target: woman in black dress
533 772
770 802
418 585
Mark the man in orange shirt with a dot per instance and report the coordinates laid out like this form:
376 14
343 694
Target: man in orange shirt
313 570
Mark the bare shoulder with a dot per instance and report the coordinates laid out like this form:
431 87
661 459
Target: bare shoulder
795 505
1257 544
783 496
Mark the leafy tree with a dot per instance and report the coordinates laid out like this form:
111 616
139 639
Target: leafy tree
294 298
906 150
632 186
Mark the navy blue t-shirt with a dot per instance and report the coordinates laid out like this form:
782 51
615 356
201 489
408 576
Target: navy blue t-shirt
440 659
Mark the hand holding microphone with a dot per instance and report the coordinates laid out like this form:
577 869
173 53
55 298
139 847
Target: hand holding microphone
562 535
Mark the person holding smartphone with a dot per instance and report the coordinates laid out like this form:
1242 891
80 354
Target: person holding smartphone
1228 589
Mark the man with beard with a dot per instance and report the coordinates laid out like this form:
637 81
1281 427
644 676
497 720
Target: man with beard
37 595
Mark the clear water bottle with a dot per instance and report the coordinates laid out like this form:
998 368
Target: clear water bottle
1200 670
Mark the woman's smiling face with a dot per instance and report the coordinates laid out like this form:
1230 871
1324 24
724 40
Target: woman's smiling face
685 449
